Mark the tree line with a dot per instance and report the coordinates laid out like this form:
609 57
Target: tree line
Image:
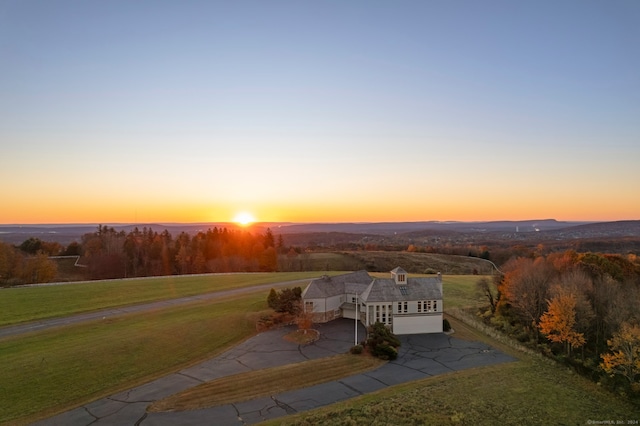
20 267
111 254
107 253
575 306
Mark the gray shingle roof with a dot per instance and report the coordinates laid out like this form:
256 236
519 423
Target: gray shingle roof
398 270
374 289
334 286
386 290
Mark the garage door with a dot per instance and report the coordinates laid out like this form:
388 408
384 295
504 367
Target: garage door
417 324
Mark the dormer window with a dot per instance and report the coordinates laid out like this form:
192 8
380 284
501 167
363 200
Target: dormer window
399 275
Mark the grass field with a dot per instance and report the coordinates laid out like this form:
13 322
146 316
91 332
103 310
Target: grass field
34 303
55 370
421 263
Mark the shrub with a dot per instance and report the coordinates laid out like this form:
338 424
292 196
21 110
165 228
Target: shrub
382 343
386 352
445 325
286 300
356 350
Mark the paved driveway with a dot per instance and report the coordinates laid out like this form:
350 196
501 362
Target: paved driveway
420 356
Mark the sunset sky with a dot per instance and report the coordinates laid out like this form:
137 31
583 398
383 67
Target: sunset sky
318 111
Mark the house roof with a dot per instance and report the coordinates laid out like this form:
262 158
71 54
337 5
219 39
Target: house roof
386 290
333 286
398 270
374 289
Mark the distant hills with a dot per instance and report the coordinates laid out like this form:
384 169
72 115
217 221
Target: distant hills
544 228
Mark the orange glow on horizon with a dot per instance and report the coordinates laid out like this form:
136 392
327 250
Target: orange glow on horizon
65 209
244 219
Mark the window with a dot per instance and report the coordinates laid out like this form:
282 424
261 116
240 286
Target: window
401 278
428 308
419 306
404 290
399 307
435 305
405 307
353 299
308 306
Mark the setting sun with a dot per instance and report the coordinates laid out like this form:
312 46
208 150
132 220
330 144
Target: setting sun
244 219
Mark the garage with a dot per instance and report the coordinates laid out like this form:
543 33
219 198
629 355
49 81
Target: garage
417 324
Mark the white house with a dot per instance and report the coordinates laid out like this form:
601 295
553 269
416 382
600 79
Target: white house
407 305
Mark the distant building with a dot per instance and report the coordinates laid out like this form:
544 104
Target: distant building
407 305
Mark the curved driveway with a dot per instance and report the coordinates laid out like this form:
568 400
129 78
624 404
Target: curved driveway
420 356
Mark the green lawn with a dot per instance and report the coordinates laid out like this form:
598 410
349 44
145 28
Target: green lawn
34 303
460 291
55 370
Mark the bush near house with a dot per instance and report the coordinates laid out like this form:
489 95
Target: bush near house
445 325
286 300
382 343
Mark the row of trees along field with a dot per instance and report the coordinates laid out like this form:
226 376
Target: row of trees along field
579 307
108 253
111 254
18 267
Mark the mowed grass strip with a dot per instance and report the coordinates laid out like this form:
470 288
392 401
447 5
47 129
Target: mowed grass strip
22 304
529 391
49 372
266 382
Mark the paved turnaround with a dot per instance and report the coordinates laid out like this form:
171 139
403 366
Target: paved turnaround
420 356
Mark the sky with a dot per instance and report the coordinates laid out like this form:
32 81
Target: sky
319 111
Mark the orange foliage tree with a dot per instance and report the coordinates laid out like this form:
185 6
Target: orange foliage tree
625 357
305 319
558 322
525 287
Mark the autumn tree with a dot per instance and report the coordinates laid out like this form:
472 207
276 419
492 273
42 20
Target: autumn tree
579 284
38 269
624 359
558 322
11 260
525 288
305 319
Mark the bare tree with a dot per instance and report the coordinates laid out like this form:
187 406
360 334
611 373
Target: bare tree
525 288
489 290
